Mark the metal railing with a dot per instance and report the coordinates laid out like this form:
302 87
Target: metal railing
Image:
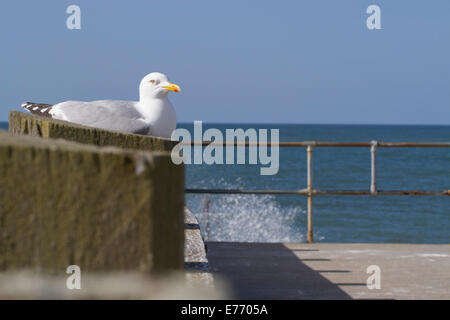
310 192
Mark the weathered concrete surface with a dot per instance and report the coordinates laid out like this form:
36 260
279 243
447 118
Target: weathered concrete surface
196 263
27 123
102 209
332 270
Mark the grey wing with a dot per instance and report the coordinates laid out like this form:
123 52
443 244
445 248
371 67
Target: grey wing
105 114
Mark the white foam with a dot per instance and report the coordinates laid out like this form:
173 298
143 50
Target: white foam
248 218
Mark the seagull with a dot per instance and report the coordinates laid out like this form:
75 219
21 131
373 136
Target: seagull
152 115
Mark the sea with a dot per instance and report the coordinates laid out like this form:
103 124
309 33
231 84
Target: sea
337 218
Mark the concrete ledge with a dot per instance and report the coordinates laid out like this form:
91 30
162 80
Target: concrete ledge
196 263
103 209
26 123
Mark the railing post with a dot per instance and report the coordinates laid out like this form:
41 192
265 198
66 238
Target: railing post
309 235
373 180
205 209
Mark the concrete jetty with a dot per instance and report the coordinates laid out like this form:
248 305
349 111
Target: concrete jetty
108 202
332 270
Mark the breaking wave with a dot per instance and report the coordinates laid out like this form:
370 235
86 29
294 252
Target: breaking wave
247 218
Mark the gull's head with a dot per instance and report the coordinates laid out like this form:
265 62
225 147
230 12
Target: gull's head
155 85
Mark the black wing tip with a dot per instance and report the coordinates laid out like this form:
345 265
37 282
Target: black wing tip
41 109
28 104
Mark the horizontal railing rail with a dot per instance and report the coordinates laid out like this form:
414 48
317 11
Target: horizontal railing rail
305 144
309 191
304 192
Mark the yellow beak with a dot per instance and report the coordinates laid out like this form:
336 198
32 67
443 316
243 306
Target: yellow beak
172 87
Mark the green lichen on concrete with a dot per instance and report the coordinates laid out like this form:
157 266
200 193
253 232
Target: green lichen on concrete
101 208
26 123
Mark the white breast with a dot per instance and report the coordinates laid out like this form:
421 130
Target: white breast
160 115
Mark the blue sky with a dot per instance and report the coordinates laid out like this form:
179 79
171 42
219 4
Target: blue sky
236 61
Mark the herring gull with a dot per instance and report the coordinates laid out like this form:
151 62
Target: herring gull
153 114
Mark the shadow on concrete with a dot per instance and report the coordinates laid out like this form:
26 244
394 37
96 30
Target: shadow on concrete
270 271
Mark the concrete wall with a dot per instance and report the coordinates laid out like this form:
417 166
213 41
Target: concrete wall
103 209
27 123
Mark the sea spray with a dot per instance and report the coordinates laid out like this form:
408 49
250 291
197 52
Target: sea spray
247 218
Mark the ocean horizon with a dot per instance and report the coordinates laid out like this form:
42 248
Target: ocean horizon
282 218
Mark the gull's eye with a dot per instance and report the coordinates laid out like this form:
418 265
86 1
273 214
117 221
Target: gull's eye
152 81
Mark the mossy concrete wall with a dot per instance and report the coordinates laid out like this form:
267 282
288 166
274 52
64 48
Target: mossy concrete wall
26 123
103 209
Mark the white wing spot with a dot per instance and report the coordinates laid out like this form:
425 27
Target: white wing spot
43 110
35 108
